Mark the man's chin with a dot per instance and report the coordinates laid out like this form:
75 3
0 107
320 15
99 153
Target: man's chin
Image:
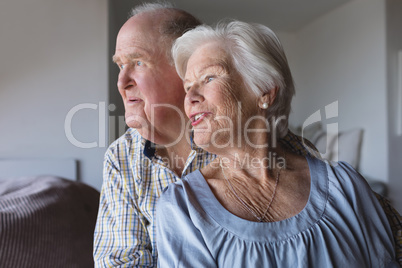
144 129
148 131
157 137
136 121
134 124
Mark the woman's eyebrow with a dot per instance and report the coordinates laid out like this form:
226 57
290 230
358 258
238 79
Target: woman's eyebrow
213 65
204 69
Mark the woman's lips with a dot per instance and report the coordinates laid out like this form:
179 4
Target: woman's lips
197 118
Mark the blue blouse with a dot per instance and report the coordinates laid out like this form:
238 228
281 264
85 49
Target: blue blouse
342 225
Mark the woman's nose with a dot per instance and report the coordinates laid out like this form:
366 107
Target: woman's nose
194 96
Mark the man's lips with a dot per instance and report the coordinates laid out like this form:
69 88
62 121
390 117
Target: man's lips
196 118
133 100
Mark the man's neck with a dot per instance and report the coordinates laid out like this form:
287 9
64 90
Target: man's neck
176 156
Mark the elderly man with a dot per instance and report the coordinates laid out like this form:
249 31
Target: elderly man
136 170
156 150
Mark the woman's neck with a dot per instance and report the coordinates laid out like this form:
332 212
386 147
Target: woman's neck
272 193
176 155
252 162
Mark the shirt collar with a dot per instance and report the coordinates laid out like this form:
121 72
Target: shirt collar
194 147
150 147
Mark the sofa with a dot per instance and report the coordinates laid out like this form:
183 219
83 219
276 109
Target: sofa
46 222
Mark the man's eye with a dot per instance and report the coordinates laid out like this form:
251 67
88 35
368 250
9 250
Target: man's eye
121 66
139 63
209 79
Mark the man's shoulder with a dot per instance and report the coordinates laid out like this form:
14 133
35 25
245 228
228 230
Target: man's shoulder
125 156
127 146
130 139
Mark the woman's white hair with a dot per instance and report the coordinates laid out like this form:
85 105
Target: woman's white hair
257 55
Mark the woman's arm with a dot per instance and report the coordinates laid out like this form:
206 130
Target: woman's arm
179 242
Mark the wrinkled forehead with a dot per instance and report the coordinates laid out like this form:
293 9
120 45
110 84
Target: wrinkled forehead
215 49
211 53
143 31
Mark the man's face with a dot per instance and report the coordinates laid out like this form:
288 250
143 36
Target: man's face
152 91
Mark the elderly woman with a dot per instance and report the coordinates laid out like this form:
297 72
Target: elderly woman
258 204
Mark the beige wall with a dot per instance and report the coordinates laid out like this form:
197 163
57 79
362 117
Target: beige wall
394 44
341 56
53 57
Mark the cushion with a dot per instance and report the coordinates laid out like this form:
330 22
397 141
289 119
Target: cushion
342 146
46 222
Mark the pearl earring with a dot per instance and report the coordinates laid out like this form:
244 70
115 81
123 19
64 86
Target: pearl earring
265 105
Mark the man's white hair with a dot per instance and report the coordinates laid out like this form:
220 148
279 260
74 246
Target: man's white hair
176 22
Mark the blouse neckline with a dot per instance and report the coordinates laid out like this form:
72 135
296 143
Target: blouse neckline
267 231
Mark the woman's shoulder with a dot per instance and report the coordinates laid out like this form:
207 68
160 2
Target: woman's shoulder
341 171
346 184
346 174
171 200
179 192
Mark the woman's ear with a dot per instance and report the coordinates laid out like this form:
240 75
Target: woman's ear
267 99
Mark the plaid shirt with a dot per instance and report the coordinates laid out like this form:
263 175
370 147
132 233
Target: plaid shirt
134 178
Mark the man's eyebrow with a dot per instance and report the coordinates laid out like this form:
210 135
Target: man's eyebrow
135 55
115 58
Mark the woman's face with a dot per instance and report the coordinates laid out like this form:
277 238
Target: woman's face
217 101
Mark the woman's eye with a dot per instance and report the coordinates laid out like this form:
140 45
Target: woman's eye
121 66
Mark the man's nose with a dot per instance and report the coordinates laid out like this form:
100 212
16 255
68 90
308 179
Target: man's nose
125 79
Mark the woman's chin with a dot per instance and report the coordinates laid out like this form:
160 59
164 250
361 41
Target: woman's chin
202 144
211 146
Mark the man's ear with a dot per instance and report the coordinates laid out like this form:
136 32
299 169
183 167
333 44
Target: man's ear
267 99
